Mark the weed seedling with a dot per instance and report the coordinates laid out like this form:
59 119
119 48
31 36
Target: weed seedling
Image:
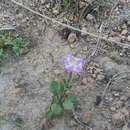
3 55
67 3
5 39
17 45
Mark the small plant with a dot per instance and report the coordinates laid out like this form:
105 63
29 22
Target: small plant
5 39
61 99
100 3
17 45
67 3
2 54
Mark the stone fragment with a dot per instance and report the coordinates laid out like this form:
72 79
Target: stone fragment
128 38
87 117
124 32
118 119
72 38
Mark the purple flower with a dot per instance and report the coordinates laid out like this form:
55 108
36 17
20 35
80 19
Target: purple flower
73 64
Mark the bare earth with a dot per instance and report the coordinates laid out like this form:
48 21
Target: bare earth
24 81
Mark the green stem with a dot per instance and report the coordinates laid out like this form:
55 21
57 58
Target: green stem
69 77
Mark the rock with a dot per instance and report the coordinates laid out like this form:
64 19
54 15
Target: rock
124 27
84 30
124 32
128 23
116 38
91 18
82 4
25 51
98 100
123 38
84 81
125 112
116 94
87 117
72 123
85 48
123 98
100 77
128 38
51 34
72 38
110 68
43 1
119 104
118 119
125 127
55 11
128 103
113 109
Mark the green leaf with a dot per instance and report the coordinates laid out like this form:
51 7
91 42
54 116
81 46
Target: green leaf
18 44
62 89
54 87
2 54
56 108
17 51
5 39
67 85
72 98
67 3
48 114
55 99
68 104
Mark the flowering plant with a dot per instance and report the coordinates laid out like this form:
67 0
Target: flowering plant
61 100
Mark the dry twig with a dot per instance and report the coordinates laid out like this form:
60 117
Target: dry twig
7 29
79 121
70 27
110 81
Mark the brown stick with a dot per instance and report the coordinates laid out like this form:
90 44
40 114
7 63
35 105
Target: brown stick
71 27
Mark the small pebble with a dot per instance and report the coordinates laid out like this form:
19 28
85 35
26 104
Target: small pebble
128 23
128 102
87 117
113 109
123 98
125 127
55 11
84 30
100 77
118 119
125 112
98 100
116 94
91 18
128 38
72 123
124 32
72 38
84 81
